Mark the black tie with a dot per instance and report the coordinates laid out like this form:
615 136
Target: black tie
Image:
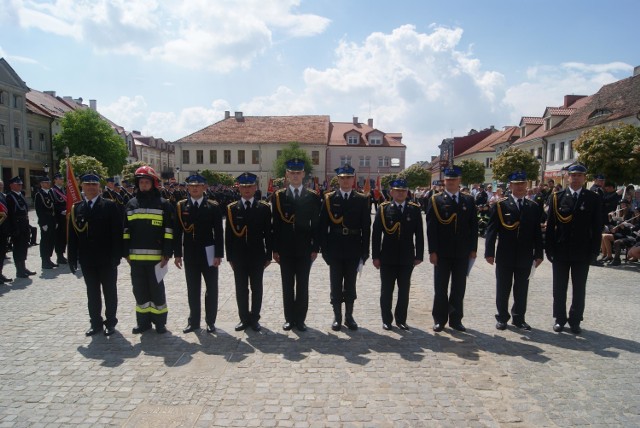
345 196
400 208
247 205
90 203
520 204
195 204
455 202
295 194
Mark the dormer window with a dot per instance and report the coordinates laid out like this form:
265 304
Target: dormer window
600 112
352 139
375 141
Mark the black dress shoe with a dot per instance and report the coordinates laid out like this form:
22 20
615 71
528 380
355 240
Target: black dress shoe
241 326
108 331
402 325
437 327
190 328
575 329
501 325
351 324
211 328
4 278
387 326
140 329
287 326
62 260
458 326
255 326
523 325
615 262
93 331
161 329
48 264
336 326
29 272
301 326
22 275
557 327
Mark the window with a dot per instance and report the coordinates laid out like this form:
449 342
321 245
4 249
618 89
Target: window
488 163
345 160
199 156
3 142
278 153
227 156
213 156
185 156
315 157
571 154
383 161
552 153
533 152
16 137
30 139
255 157
2 96
43 143
16 101
352 139
365 161
561 152
375 141
241 157
540 152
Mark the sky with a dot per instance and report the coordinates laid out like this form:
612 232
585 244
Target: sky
425 68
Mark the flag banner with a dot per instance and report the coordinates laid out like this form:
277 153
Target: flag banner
73 192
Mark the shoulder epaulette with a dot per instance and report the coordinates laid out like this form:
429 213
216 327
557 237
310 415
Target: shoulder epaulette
284 189
502 199
231 204
182 202
265 203
414 204
385 203
78 202
361 194
533 202
215 203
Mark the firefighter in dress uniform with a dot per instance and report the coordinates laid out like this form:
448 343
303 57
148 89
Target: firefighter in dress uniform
148 243
199 234
18 218
4 232
46 211
60 201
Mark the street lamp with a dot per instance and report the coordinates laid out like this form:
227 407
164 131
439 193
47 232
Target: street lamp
46 168
177 173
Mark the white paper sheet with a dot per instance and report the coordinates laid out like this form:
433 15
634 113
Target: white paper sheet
472 261
161 272
210 250
533 270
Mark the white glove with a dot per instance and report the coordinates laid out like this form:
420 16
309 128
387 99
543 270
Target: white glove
44 228
64 212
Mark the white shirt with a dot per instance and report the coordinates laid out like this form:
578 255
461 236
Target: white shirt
244 202
198 201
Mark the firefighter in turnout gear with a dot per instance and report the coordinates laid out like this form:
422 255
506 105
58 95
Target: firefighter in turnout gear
148 242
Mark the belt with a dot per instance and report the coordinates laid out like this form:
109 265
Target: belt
345 231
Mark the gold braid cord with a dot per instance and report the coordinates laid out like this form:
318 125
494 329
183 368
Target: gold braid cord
3 217
188 229
243 231
513 226
334 220
44 201
560 218
395 228
77 228
453 217
291 219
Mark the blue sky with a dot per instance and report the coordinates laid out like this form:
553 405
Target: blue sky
428 69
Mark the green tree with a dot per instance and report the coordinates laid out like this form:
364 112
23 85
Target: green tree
472 171
614 152
81 165
416 176
85 132
215 177
514 159
128 171
385 180
334 183
293 150
278 182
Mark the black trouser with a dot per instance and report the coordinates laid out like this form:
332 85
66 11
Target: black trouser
61 235
506 277
193 273
151 300
342 275
105 277
245 275
579 272
20 244
389 274
47 239
3 249
449 306
295 286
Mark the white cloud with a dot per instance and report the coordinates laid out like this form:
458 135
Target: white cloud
126 112
219 35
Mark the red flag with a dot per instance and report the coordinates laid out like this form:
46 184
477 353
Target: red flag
270 188
73 192
376 192
367 185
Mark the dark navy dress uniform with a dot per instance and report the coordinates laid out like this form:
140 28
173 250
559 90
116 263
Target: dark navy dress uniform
4 235
46 211
519 236
248 243
60 201
18 218
200 228
572 240
452 233
115 197
397 241
95 243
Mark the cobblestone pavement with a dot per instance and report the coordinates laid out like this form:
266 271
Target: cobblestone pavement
52 375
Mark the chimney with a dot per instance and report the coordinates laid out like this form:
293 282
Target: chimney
370 123
51 93
569 100
239 117
79 101
93 105
355 120
636 70
227 114
68 99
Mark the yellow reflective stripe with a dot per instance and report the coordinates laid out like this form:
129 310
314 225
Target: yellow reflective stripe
126 236
168 236
144 217
145 257
151 308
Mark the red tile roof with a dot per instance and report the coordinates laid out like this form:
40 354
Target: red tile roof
45 104
338 135
487 145
529 120
263 130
